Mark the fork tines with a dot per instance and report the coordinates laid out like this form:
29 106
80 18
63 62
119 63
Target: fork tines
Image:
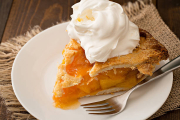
99 108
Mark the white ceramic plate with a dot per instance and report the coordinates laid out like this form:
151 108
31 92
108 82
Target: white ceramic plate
34 74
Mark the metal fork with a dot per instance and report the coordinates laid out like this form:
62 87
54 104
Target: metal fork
117 104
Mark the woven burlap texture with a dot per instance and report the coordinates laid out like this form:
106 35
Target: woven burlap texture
142 13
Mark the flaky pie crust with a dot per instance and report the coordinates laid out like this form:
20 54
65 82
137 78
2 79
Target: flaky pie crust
144 57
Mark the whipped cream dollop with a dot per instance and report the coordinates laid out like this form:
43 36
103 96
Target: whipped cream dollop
103 29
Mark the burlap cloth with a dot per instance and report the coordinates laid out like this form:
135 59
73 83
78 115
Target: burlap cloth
143 13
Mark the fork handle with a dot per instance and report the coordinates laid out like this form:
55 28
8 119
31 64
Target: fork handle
175 63
172 65
168 67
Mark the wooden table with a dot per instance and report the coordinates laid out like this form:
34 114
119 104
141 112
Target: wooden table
18 16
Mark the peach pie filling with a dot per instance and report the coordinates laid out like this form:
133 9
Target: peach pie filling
80 66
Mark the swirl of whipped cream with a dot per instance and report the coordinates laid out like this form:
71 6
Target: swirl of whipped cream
103 29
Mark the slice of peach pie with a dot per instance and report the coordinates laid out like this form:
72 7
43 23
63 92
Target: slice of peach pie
78 78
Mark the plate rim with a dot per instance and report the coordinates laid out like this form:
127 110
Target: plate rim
15 60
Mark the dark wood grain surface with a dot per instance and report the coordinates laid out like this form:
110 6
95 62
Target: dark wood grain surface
18 16
169 10
27 13
5 7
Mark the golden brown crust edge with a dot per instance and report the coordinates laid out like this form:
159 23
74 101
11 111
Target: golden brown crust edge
143 57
